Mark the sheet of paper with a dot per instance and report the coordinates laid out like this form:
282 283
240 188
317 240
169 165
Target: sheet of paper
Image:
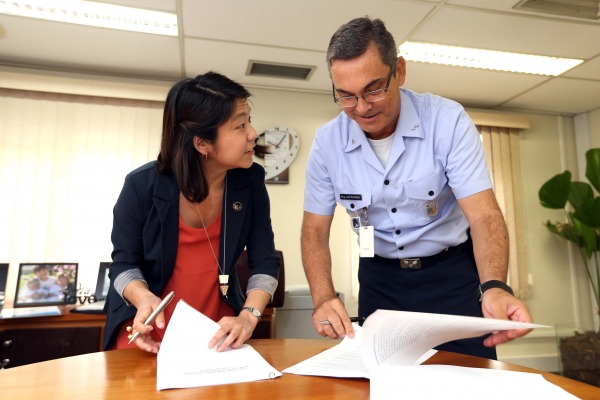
460 383
401 337
397 338
342 361
184 359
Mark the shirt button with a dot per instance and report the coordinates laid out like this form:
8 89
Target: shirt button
351 205
401 248
394 210
386 182
397 231
431 193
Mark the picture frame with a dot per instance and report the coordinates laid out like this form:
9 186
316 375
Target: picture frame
46 284
3 278
103 282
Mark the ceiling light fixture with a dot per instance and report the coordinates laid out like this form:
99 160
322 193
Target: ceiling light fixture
94 14
486 59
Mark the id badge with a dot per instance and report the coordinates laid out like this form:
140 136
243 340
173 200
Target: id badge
366 240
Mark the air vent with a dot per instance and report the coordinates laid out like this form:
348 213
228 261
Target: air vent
279 70
587 9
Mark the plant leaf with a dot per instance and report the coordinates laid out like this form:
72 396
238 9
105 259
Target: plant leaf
579 193
589 213
592 169
588 237
566 231
554 193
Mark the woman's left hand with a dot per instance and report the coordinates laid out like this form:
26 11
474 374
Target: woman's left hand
234 331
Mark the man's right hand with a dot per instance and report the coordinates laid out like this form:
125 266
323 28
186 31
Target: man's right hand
331 319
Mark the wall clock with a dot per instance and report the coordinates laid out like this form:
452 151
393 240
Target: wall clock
284 144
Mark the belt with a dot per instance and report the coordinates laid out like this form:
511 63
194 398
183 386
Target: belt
425 262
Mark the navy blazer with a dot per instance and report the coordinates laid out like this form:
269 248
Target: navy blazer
146 232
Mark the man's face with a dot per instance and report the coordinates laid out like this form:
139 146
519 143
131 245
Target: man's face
363 74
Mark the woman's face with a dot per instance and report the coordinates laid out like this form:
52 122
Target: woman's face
234 146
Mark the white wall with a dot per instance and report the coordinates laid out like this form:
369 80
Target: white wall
304 112
547 148
594 125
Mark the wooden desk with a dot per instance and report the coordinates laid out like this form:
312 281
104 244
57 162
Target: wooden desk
34 339
131 374
66 320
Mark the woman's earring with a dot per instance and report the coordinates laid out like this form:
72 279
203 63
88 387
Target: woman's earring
205 156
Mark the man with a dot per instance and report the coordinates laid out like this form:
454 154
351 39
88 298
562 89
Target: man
410 170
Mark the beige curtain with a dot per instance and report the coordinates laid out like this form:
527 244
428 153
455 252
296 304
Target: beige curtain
63 159
502 154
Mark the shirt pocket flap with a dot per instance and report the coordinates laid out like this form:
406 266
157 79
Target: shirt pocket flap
353 199
426 188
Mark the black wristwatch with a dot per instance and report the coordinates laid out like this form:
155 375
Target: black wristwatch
493 284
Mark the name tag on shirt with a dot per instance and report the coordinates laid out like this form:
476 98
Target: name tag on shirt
366 240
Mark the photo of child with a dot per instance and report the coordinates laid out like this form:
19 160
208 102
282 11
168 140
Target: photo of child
58 289
46 284
33 291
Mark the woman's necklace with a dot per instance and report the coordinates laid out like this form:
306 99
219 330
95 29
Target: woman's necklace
223 278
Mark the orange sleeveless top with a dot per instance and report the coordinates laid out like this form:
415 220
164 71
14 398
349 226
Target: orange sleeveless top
195 278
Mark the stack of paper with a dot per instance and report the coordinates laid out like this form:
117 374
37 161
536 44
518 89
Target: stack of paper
391 345
461 383
184 359
397 338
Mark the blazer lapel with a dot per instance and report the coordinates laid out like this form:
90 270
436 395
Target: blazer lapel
236 204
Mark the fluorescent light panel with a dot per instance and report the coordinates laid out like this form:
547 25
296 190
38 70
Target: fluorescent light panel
94 14
486 59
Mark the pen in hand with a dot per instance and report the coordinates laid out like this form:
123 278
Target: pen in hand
152 316
352 319
357 319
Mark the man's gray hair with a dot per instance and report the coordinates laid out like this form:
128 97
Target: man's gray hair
353 38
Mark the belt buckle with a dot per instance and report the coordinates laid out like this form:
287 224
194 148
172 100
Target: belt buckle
410 263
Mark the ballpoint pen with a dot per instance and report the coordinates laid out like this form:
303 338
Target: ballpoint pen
156 311
352 319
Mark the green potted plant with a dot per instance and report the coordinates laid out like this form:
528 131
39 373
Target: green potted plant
581 204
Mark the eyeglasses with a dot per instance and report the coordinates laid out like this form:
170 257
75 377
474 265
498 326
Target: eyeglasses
370 97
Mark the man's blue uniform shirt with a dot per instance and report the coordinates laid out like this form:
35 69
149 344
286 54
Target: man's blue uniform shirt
436 157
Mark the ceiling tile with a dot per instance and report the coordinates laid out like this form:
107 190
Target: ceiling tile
307 25
51 44
156 5
560 95
469 86
235 68
516 33
587 70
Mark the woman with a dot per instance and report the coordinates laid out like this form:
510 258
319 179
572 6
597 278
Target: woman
181 222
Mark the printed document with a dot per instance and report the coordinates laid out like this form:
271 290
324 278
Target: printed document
391 345
184 359
393 382
397 338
